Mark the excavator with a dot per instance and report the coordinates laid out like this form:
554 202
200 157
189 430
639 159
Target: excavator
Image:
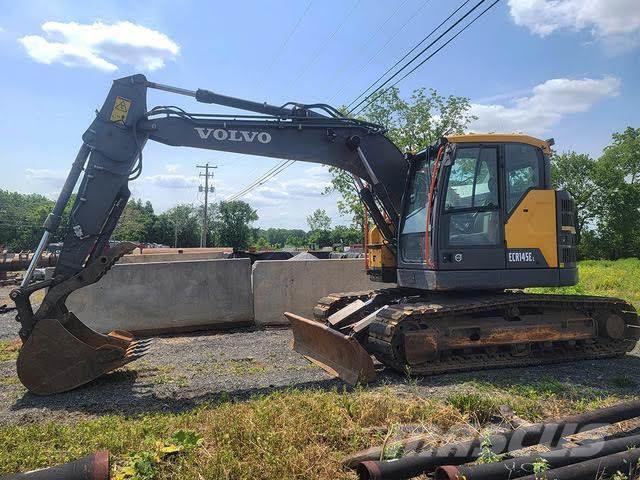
458 229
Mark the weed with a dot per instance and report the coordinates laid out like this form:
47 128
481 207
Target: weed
540 467
487 455
145 465
619 476
480 407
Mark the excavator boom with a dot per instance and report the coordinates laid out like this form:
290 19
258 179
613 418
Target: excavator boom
59 352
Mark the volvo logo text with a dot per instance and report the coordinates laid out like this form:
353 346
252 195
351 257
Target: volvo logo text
221 134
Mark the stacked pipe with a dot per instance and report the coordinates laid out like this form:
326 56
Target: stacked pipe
604 454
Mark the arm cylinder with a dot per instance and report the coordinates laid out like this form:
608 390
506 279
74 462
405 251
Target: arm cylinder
52 222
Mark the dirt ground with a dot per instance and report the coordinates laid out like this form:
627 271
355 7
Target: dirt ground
181 372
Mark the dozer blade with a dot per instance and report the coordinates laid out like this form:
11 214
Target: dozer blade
340 355
60 356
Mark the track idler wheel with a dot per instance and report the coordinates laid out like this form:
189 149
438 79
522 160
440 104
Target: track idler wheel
61 355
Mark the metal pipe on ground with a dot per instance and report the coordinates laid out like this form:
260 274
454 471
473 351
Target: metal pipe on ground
463 452
91 467
522 466
602 467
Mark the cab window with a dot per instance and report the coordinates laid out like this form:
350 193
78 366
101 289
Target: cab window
413 233
471 202
523 167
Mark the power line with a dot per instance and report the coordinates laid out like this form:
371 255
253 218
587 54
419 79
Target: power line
408 53
281 167
268 175
418 55
432 54
341 69
324 45
381 49
255 182
283 47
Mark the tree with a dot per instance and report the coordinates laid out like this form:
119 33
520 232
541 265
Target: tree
345 235
574 172
412 125
233 219
319 220
135 223
179 226
618 178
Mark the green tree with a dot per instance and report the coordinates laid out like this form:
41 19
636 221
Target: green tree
319 220
233 221
179 226
412 125
135 223
319 225
21 218
618 178
575 172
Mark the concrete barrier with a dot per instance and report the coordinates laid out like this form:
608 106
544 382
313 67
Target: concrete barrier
296 286
172 257
168 296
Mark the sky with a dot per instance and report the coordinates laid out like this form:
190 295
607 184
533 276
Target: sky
568 69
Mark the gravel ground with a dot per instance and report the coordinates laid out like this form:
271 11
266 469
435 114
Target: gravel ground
181 372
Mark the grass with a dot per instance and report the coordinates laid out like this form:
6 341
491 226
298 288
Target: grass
307 433
9 350
612 278
281 435
291 434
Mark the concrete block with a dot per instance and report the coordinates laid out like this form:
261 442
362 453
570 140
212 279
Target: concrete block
168 296
281 285
172 257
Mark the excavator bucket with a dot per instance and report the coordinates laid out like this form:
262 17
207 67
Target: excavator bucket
62 355
338 354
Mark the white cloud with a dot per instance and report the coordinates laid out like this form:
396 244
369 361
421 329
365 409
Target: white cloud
102 46
547 104
614 21
172 167
285 191
171 181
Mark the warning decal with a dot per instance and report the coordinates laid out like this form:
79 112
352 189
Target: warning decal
120 110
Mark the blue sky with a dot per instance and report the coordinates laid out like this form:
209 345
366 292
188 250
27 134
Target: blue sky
563 68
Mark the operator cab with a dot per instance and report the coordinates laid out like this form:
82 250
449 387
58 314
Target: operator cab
479 213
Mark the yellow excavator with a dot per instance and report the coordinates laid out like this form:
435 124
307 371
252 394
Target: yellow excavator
457 227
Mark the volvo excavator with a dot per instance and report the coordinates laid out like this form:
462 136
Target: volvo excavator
459 228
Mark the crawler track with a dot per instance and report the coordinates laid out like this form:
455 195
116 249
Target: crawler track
410 311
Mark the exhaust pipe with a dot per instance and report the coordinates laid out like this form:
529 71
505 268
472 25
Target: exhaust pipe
91 467
522 466
464 452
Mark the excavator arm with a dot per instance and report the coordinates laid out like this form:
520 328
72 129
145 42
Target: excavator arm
59 352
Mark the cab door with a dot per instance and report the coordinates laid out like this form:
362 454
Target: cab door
471 224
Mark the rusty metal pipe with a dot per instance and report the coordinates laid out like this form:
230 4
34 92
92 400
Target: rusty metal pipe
522 466
91 467
602 467
21 262
462 452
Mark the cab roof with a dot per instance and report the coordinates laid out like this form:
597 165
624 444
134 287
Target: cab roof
500 138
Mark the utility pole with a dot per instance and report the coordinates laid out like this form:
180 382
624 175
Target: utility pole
206 175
